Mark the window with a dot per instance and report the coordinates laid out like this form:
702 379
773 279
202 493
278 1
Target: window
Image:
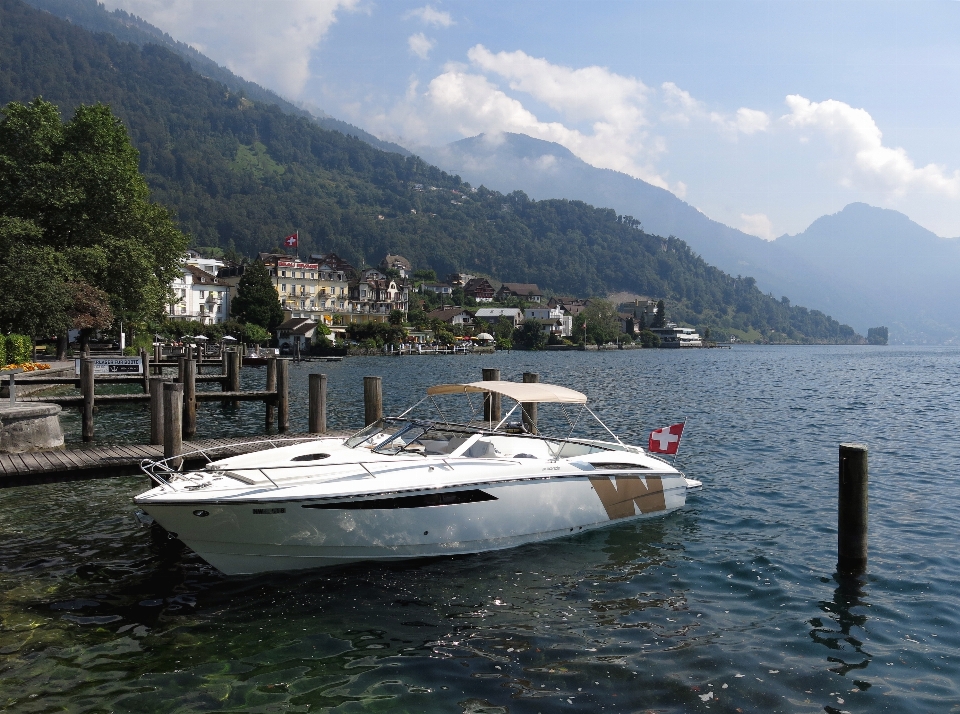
283 287
283 273
311 275
303 304
202 293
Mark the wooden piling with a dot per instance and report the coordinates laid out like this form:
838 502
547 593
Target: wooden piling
530 408
189 398
156 410
372 399
145 366
491 402
87 388
271 387
180 362
173 423
318 404
852 509
157 353
283 394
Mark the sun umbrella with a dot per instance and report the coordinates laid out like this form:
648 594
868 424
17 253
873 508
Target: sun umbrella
484 336
201 338
229 338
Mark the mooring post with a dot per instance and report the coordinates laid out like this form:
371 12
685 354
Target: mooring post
530 408
157 353
173 423
189 398
283 394
491 402
156 410
372 399
180 361
145 366
233 374
271 387
87 390
852 509
318 404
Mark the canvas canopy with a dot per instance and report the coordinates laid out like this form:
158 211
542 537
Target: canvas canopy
518 391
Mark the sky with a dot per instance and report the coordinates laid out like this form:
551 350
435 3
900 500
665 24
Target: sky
763 115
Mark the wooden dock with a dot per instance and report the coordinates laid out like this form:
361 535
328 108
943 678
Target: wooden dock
83 463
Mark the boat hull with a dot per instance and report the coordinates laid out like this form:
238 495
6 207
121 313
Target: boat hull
246 537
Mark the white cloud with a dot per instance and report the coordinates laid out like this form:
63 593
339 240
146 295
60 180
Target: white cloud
473 104
867 163
420 45
757 224
429 16
268 43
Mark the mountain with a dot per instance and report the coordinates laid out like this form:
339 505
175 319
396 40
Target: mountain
898 272
93 16
870 244
240 174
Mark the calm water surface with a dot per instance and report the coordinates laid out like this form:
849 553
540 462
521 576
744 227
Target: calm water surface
731 605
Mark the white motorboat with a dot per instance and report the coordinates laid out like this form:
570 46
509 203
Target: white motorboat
406 487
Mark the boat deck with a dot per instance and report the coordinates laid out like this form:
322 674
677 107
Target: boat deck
83 463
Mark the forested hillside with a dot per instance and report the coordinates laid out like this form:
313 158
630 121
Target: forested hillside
240 175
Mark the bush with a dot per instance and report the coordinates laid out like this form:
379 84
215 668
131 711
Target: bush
3 351
649 339
19 349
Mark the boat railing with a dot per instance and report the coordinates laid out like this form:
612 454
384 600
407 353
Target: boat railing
157 469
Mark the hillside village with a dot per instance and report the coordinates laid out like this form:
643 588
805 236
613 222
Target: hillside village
325 291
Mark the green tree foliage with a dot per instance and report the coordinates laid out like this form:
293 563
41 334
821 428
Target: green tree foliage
76 209
598 323
649 339
878 335
660 319
256 301
502 332
396 317
375 334
256 334
530 334
239 173
18 348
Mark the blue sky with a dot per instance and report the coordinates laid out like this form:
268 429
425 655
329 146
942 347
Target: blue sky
764 115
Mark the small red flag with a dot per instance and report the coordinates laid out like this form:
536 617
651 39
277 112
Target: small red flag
292 241
666 440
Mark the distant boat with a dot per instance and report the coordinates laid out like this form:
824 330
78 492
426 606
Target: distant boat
673 336
412 488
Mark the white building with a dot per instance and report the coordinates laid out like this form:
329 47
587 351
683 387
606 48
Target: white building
198 294
492 315
554 319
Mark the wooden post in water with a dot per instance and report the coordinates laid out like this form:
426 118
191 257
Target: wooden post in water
318 404
271 387
189 398
852 509
180 362
283 395
491 402
156 410
157 353
530 408
173 423
372 399
87 388
145 366
233 374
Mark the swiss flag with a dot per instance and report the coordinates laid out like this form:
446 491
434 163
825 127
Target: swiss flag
666 440
291 241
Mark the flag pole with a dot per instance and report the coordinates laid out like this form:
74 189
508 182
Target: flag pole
681 439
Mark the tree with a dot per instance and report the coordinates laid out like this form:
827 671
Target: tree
531 335
425 275
660 319
256 301
597 323
255 334
396 317
75 203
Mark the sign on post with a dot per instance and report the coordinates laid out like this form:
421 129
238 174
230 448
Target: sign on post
115 365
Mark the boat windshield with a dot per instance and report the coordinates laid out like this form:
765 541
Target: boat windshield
391 436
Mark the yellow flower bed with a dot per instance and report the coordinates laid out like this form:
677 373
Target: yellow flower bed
26 366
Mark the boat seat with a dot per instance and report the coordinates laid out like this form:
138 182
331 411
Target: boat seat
482 450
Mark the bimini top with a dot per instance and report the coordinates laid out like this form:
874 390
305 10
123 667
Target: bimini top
518 391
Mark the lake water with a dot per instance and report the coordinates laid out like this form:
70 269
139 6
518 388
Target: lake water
730 605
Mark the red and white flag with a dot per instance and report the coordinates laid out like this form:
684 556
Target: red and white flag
666 440
292 241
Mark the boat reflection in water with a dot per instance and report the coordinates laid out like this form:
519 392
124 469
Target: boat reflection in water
410 487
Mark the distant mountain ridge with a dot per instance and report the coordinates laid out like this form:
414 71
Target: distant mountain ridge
887 256
91 15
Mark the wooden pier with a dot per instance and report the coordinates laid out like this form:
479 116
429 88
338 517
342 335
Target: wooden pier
81 464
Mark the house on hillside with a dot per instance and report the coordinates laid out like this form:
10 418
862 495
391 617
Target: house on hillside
524 291
398 263
479 289
442 289
452 316
459 280
492 315
554 320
